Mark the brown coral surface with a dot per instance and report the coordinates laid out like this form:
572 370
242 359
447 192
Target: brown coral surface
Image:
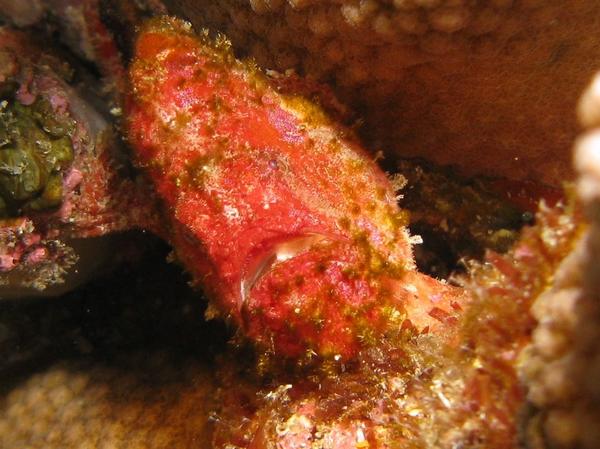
490 86
91 406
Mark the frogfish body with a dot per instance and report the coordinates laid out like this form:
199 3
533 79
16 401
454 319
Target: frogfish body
289 225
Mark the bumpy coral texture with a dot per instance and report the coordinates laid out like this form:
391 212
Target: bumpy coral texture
457 82
561 367
73 405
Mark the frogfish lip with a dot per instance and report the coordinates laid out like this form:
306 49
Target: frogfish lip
278 250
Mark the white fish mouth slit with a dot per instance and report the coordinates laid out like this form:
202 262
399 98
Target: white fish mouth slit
277 253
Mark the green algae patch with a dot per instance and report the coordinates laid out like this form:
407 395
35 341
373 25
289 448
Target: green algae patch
35 150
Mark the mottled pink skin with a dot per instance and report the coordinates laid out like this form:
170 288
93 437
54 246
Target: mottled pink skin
283 218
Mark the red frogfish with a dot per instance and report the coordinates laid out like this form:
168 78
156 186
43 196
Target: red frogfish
286 222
